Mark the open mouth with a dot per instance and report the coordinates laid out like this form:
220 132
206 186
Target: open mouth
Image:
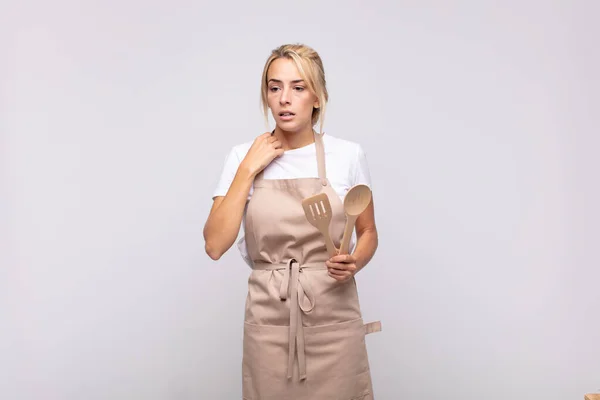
286 114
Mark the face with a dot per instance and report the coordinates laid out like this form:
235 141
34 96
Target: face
288 96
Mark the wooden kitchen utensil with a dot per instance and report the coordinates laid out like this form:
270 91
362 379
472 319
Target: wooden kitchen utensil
318 212
356 201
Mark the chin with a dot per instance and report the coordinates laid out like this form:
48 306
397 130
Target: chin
291 126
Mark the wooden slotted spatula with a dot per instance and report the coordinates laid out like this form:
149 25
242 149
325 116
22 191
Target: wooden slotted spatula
318 212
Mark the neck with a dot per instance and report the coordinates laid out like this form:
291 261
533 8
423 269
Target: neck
294 140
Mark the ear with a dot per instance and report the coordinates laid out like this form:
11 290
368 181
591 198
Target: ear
316 102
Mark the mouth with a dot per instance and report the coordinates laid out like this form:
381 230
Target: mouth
286 116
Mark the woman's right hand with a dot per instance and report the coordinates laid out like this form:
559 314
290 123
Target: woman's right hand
265 149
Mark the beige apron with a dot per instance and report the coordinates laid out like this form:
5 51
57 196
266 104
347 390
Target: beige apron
304 338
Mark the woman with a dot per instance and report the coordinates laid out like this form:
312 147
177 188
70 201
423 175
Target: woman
303 330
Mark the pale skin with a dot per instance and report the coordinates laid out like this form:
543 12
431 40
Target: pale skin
287 92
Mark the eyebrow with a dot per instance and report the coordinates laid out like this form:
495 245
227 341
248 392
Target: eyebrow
278 81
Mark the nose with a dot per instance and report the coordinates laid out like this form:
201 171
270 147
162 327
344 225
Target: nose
285 96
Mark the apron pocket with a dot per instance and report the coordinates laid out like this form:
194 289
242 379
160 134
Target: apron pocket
336 363
336 356
264 362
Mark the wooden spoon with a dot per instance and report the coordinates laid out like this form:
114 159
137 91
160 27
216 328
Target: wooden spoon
318 212
356 201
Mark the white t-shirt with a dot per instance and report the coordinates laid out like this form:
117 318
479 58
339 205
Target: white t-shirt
345 162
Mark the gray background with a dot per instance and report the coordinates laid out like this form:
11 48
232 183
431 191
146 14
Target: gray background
480 123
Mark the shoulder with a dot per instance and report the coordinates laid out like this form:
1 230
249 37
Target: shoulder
346 163
342 148
241 149
238 152
336 144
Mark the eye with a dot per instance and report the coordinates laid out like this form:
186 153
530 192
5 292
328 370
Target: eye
273 89
299 88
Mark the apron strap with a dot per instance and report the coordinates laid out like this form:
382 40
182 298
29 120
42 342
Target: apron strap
372 327
321 158
295 287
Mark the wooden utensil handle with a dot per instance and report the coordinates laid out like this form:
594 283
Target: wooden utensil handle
350 221
331 249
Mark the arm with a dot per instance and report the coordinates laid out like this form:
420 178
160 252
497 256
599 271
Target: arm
367 240
225 217
344 266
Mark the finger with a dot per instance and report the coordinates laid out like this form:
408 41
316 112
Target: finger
339 266
277 144
337 258
339 277
330 264
337 272
343 258
342 267
350 268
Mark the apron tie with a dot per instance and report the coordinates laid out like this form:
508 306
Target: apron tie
296 287
302 299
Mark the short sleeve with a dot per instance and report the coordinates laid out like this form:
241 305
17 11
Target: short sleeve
232 162
361 168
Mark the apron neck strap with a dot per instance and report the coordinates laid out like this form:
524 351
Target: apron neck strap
320 148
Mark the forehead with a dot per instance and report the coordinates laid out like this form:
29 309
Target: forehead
283 69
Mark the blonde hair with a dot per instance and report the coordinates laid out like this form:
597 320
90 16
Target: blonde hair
311 69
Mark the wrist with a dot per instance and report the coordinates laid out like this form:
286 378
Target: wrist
358 261
247 172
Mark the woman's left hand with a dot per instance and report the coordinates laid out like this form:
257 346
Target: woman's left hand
341 267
